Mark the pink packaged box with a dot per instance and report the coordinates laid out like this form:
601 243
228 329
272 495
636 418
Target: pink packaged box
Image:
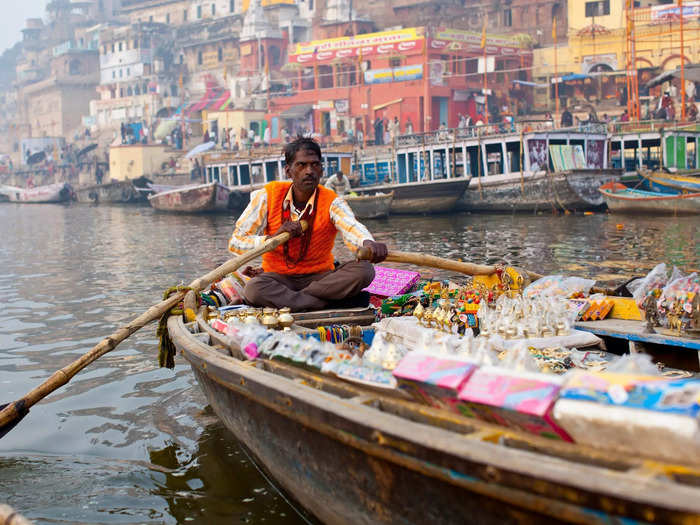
520 400
431 380
390 281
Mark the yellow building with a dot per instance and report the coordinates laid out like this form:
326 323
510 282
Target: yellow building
598 40
134 161
592 58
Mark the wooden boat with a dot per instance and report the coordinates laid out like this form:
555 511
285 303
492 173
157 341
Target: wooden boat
621 199
198 198
370 206
668 183
122 191
60 192
350 454
575 190
434 196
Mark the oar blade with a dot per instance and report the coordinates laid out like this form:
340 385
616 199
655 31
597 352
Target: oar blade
4 429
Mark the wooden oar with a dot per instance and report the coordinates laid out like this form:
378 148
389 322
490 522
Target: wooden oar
431 261
13 413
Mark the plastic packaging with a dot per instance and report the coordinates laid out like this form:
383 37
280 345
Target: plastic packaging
656 279
558 285
636 364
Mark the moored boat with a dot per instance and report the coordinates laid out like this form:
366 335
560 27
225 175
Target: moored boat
122 191
426 197
344 451
199 198
671 183
574 190
51 193
621 199
374 206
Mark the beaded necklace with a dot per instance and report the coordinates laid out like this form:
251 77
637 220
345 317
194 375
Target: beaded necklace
308 216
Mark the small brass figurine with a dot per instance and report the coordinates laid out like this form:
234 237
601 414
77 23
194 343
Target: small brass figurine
651 313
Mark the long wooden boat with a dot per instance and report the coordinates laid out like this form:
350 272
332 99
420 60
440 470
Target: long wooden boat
200 198
668 183
575 190
352 455
122 191
621 199
370 206
426 197
51 193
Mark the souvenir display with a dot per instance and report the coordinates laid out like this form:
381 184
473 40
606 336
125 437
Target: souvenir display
679 304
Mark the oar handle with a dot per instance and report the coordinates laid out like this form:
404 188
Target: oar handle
17 409
431 261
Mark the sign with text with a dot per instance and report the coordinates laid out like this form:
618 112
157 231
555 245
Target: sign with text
388 43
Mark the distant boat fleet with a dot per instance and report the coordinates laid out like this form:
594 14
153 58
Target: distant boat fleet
576 169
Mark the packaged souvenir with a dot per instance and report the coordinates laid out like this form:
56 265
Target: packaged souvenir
559 286
632 413
432 380
514 399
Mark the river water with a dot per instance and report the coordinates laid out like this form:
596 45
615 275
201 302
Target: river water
127 442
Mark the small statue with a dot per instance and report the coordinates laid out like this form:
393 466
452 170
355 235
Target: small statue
675 318
651 313
694 323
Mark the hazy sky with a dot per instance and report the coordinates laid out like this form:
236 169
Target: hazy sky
14 12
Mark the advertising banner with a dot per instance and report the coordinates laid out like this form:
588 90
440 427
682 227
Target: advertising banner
398 42
397 74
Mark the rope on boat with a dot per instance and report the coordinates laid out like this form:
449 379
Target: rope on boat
166 348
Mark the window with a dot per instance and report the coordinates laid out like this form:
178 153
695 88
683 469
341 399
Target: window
182 59
507 17
199 58
128 71
220 54
394 62
311 5
213 9
121 73
112 47
136 43
598 8
232 6
167 18
150 18
184 15
114 75
121 46
199 11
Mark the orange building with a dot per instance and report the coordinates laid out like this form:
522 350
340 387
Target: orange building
423 77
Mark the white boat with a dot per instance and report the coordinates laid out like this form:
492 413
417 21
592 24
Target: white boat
60 192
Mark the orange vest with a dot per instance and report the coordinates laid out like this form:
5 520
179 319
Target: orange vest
319 256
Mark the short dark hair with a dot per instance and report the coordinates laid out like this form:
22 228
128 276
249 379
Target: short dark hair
298 144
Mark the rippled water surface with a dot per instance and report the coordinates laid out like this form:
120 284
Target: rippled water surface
127 442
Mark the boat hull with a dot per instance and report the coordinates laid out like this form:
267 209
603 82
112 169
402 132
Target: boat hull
204 198
113 192
52 193
349 458
665 183
632 201
438 196
575 190
370 206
